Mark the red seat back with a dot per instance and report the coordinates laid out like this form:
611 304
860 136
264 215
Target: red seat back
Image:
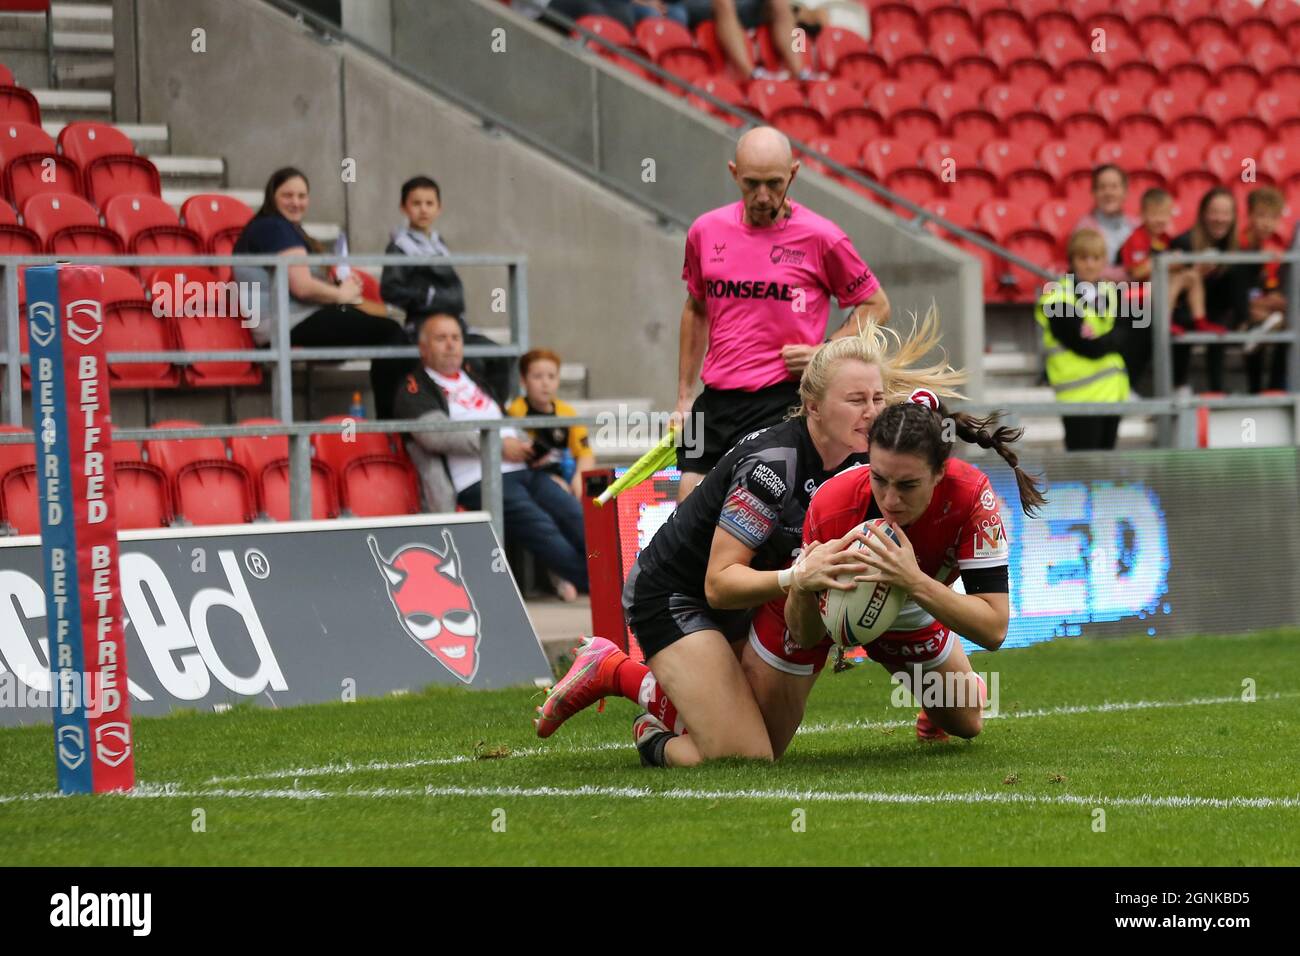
143 498
172 454
214 492
84 141
381 485
19 500
110 176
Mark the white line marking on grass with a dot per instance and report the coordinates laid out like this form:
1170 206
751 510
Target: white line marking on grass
174 791
345 769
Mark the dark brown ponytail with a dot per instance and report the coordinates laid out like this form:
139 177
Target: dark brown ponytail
918 429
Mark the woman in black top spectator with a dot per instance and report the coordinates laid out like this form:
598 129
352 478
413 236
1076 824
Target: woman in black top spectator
1227 297
321 313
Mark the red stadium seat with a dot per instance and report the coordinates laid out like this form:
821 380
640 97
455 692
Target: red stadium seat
150 227
206 316
948 18
951 47
1062 48
8 215
18 138
1166 52
1138 76
1280 161
895 16
1001 21
882 157
722 88
19 241
111 176
1193 133
19 503
894 45
1059 101
949 158
844 112
1029 75
1002 219
955 209
1156 26
1004 100
1218 55
214 492
1186 11
1285 80
1204 30
1255 29
266 460
919 185
121 286
1008 48
1123 155
1031 129
781 103
1059 216
15 456
125 450
1168 105
991 265
18 105
1067 161
1141 131
1221 106
1268 55
889 98
1172 161
976 73
6 76
1051 23
1135 10
83 142
949 99
706 39
975 127
671 47
828 148
1041 249
49 214
1274 107
37 173
1086 76
918 125
132 327
334 451
847 56
381 486
218 220
172 454
143 498
605 27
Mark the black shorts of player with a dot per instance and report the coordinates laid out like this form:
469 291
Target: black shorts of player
721 417
659 618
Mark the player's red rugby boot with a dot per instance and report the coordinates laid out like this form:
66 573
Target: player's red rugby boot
591 678
926 729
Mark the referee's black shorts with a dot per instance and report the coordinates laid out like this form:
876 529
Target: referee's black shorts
722 417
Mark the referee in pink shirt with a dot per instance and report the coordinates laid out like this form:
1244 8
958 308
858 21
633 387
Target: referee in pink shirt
759 275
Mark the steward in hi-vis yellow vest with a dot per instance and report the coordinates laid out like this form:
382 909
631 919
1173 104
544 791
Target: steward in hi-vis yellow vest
1075 377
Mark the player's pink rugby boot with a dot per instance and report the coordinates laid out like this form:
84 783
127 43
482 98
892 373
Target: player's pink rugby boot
591 678
926 729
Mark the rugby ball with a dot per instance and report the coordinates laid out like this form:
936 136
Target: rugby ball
858 617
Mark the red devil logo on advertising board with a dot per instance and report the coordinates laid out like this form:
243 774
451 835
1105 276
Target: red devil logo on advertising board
433 604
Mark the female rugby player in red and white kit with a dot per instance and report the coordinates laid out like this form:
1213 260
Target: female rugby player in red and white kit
945 517
726 551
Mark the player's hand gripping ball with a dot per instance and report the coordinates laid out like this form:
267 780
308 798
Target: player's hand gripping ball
858 617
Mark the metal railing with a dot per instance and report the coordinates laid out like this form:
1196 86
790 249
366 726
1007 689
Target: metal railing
280 354
300 434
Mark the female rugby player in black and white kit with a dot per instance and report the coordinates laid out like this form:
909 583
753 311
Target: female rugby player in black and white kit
727 550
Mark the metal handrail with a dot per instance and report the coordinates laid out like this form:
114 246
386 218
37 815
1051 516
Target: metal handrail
280 353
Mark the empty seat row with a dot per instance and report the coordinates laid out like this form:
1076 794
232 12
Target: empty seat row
206 481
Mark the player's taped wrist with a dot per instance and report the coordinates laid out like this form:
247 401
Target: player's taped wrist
789 578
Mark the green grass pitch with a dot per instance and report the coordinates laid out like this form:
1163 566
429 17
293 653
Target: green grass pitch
1152 732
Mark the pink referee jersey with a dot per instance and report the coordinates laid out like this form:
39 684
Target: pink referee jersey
765 288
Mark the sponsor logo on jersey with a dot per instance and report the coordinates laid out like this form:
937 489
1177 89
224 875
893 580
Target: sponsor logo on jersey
748 289
784 255
857 283
767 483
990 541
988 500
745 515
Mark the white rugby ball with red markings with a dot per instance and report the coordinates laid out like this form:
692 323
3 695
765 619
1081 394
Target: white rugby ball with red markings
858 617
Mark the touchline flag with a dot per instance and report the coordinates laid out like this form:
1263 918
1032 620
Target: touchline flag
74 439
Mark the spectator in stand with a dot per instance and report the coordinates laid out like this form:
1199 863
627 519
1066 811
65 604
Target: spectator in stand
321 312
565 453
1135 258
573 9
1109 191
1265 364
1083 344
424 290
731 18
1227 303
545 518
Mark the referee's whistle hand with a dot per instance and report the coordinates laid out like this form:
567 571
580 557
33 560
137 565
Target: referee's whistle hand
796 357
